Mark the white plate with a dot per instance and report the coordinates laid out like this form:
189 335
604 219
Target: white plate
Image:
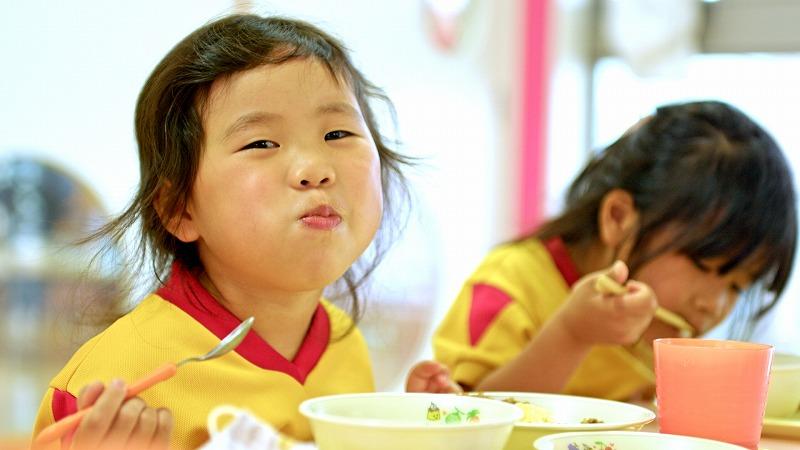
567 412
628 440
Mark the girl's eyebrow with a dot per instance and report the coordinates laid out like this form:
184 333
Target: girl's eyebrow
247 120
343 108
261 117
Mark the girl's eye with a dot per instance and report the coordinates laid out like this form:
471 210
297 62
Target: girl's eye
261 144
701 265
338 134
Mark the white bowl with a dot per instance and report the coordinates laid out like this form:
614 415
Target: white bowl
783 396
394 421
628 440
567 413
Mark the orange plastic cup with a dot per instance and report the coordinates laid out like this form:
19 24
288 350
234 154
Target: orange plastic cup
712 389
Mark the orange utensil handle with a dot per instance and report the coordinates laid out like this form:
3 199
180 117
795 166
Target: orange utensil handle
69 423
164 372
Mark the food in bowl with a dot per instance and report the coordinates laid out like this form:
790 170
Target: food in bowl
403 421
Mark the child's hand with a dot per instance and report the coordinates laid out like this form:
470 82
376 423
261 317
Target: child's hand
594 317
115 423
433 377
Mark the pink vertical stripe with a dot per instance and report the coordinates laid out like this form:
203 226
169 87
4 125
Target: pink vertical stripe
487 302
533 120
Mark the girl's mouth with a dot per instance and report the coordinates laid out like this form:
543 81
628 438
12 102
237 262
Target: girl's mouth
323 217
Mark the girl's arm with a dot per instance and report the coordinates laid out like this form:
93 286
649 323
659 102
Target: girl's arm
544 365
587 318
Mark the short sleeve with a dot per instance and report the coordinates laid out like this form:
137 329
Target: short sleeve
484 329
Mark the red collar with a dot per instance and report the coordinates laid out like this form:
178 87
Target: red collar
185 291
558 251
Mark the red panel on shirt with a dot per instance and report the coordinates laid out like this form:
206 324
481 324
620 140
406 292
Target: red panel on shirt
62 405
564 264
185 291
487 302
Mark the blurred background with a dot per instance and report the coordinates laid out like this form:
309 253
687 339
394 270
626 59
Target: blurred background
502 99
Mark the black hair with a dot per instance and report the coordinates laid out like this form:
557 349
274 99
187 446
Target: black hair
708 170
169 130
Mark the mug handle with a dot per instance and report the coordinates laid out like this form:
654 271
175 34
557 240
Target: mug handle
218 413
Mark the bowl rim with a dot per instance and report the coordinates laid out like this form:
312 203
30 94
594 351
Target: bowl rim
598 434
792 364
648 415
306 405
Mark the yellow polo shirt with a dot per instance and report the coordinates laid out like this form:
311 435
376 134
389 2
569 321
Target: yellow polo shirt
505 302
182 319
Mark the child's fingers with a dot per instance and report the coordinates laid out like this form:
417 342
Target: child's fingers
89 394
422 376
145 431
125 422
95 424
445 385
640 299
163 431
427 369
618 272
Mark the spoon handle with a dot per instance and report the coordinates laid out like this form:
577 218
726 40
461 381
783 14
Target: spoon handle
162 373
69 423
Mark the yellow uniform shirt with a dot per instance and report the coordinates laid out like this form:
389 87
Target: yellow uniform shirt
503 305
182 319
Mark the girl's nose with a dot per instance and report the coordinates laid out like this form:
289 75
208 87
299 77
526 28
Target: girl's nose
312 173
311 183
715 305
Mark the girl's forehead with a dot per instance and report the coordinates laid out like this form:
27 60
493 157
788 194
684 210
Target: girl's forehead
285 86
304 72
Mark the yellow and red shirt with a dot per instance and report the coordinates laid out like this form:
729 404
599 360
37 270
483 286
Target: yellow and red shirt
181 320
503 305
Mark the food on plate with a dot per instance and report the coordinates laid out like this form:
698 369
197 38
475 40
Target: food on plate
591 420
532 413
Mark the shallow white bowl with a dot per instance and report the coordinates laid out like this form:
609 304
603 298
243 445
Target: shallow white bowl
567 412
394 421
627 440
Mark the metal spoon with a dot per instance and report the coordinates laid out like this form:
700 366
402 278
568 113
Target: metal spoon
165 372
608 285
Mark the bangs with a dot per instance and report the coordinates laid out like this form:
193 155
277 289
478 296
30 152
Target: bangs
725 199
746 226
762 245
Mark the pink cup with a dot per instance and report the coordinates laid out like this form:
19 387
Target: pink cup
712 389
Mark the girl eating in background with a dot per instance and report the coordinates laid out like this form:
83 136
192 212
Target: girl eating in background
693 209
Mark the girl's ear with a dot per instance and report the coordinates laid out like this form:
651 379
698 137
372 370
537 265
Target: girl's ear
179 224
617 220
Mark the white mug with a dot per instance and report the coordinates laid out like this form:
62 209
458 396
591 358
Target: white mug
246 432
